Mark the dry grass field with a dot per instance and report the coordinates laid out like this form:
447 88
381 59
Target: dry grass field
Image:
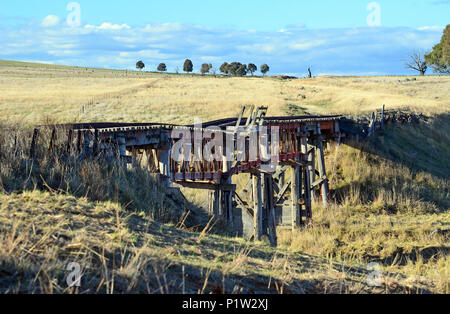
31 94
391 194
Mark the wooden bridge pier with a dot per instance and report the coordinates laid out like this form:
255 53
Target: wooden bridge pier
220 202
317 153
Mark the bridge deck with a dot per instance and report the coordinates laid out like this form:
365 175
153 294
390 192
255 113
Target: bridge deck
223 124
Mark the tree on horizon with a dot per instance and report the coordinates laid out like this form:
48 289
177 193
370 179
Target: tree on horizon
252 68
264 69
140 65
225 68
439 58
242 70
188 66
162 67
417 63
205 68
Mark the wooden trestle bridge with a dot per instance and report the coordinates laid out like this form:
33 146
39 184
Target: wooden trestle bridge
281 157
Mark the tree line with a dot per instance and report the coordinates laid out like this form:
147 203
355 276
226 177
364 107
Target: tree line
438 59
230 69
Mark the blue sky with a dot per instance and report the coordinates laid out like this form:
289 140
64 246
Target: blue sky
354 37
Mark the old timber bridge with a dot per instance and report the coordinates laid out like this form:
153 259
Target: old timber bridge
276 195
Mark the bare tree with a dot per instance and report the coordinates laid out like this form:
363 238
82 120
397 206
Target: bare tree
417 62
213 71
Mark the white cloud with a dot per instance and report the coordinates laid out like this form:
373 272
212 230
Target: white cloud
149 53
211 59
258 48
124 39
162 28
308 45
108 26
344 51
431 28
50 21
63 53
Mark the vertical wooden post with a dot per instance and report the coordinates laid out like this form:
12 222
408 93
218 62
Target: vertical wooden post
33 143
79 141
229 207
306 179
208 201
95 150
69 141
52 141
211 202
264 208
372 125
227 195
322 171
121 143
312 169
257 205
164 167
272 227
134 158
294 197
307 195
221 203
216 204
301 196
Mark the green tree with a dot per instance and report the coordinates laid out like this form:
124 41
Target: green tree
241 70
237 69
188 66
233 67
205 68
225 68
252 68
140 65
439 58
264 69
162 67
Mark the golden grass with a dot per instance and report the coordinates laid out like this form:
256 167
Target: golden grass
392 194
386 213
121 252
30 94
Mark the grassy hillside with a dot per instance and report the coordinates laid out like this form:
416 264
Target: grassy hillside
392 204
121 251
391 194
125 242
59 93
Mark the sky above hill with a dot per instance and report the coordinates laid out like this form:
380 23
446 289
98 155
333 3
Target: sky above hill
356 37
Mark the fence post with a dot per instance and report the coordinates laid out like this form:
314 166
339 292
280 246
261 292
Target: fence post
33 143
372 125
257 205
